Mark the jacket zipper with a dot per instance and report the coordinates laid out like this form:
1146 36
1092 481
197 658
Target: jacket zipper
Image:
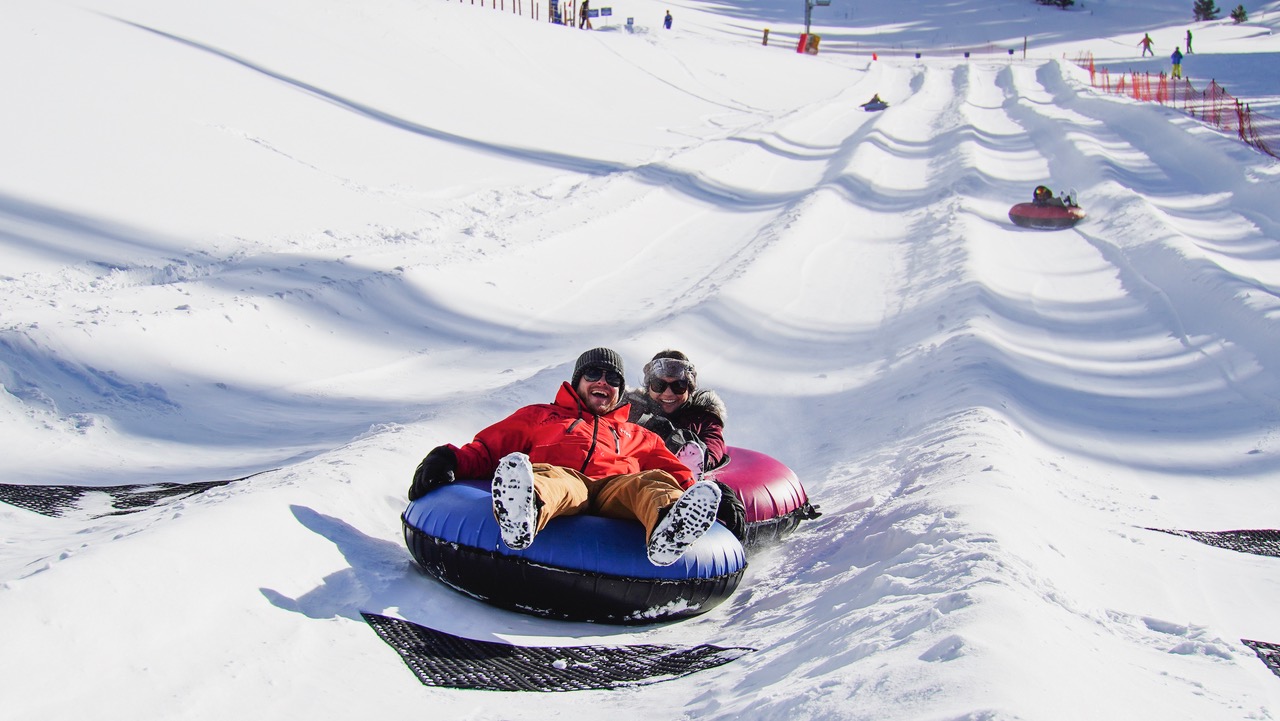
595 437
591 451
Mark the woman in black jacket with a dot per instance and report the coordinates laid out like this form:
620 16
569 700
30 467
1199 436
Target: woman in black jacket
671 405
691 422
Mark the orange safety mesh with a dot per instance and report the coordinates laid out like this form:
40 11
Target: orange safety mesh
1212 105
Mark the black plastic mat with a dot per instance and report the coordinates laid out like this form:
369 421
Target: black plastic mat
444 660
1268 652
58 500
1259 542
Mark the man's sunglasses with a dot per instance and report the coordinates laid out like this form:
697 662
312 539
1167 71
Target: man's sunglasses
657 385
595 373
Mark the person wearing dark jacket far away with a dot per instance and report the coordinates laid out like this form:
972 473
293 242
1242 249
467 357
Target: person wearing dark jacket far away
580 454
1042 195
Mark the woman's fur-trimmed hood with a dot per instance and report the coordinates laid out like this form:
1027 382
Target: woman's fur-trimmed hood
703 400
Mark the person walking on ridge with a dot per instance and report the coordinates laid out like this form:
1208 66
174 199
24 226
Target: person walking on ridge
1146 42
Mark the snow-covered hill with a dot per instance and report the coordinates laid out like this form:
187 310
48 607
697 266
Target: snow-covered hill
304 242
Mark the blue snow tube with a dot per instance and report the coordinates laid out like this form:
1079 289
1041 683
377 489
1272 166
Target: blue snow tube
580 568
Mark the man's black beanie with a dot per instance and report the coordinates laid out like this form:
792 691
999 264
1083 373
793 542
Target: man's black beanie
602 357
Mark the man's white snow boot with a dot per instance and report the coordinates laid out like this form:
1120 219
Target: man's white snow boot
683 523
515 504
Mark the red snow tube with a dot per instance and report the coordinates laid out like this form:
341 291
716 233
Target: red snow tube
774 499
1045 217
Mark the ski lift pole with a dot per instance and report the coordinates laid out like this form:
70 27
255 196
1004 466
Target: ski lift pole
809 5
808 13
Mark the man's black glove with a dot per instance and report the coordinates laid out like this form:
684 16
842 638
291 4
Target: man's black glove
435 470
731 512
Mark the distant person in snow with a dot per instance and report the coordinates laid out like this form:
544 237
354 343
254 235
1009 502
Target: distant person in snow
1176 58
576 455
1042 195
1146 42
582 14
1189 42
690 420
666 22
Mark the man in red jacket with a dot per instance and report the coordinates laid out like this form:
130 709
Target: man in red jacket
580 454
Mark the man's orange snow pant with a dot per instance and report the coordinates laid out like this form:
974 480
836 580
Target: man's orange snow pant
638 496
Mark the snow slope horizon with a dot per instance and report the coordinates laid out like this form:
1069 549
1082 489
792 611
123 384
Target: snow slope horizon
297 238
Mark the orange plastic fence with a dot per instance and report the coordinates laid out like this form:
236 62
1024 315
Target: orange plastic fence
1213 105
